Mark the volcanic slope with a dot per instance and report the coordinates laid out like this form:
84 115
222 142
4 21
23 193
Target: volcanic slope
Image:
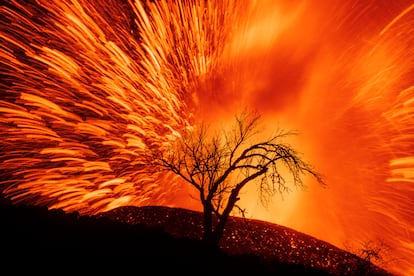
274 247
163 239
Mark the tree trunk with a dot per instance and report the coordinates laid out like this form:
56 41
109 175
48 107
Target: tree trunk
219 230
208 224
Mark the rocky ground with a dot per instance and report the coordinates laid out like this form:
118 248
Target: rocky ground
266 240
162 239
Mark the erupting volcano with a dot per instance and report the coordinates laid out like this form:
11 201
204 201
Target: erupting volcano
87 86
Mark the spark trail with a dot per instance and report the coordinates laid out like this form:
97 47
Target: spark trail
87 86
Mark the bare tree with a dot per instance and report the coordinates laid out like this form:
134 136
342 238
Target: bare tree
373 257
220 164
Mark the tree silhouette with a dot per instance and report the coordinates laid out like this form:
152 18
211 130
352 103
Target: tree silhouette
219 165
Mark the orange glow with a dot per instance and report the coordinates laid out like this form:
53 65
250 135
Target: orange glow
87 86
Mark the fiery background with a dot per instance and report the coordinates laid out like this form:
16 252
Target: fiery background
87 86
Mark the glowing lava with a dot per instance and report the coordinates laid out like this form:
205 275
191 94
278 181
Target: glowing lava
87 86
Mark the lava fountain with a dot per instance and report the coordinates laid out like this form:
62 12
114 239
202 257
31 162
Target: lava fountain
87 86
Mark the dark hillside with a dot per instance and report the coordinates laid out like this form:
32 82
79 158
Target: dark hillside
168 237
269 242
